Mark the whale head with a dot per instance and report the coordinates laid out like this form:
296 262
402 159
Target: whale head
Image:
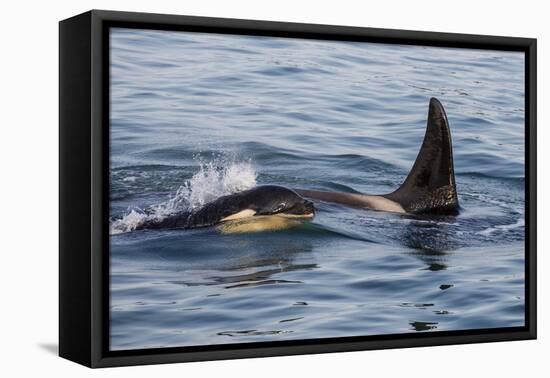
265 200
277 200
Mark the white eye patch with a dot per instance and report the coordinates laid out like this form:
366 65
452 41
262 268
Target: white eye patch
240 215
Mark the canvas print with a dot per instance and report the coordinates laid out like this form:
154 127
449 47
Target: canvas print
272 189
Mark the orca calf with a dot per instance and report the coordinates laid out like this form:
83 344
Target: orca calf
430 186
261 201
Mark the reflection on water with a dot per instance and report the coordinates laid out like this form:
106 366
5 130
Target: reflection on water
250 279
196 116
433 237
423 326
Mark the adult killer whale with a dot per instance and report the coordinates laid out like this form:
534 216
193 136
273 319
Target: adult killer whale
260 202
430 186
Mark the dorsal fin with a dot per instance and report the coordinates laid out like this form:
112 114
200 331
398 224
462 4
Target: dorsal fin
430 185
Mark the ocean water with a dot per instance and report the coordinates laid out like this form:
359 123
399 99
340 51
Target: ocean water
196 116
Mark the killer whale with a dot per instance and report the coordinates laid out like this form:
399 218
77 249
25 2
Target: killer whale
430 186
259 202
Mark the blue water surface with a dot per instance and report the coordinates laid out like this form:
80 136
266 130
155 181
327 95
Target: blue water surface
195 116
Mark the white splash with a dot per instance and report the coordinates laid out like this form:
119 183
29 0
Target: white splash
128 222
214 179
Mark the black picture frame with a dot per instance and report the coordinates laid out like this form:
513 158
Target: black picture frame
84 178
